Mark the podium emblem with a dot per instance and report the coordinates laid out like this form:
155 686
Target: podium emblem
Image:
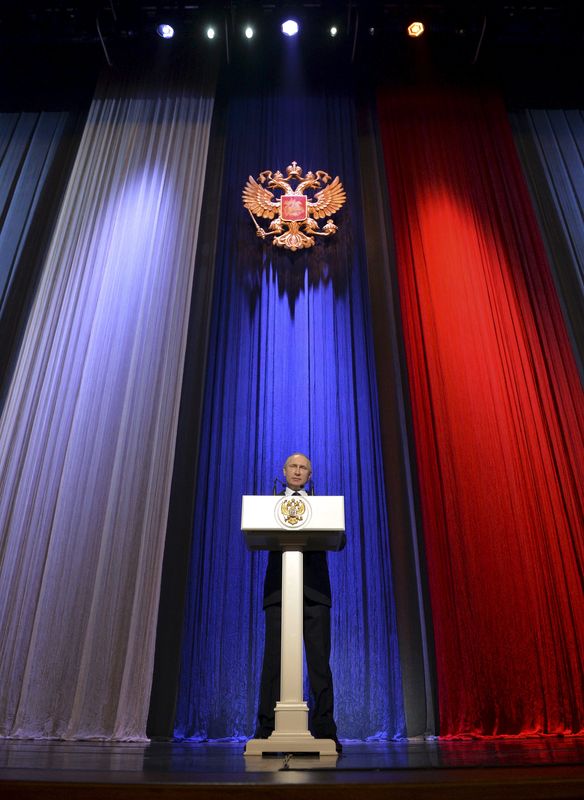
293 511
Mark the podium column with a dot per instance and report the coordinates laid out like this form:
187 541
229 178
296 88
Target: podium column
291 734
291 709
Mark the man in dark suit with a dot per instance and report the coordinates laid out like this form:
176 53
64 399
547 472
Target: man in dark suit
317 626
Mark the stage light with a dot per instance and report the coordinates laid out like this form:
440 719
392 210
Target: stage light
248 32
334 30
165 31
415 29
290 27
210 32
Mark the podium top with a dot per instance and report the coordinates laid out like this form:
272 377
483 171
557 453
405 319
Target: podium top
285 522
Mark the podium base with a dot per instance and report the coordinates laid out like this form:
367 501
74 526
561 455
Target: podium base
291 743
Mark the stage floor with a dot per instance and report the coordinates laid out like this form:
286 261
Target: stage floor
551 767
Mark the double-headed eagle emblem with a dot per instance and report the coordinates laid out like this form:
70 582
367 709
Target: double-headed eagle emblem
294 216
293 510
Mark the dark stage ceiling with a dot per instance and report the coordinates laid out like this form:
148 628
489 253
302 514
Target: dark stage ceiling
533 50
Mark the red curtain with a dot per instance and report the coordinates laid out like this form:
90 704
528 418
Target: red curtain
498 418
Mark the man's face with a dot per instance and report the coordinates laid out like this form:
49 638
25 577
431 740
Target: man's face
297 471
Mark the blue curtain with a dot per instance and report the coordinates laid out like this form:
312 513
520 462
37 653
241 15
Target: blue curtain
29 143
551 147
290 367
37 150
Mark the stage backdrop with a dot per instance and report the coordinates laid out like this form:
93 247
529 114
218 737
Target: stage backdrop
498 414
551 148
88 429
37 150
290 367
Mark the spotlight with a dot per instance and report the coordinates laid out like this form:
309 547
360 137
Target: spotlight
290 27
210 32
248 32
165 31
333 30
415 29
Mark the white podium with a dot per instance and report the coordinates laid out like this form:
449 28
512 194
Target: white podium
292 524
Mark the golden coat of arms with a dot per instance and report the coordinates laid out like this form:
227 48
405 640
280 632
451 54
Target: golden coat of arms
293 510
294 215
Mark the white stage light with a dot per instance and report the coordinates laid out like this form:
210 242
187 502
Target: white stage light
210 32
290 27
165 30
334 30
248 32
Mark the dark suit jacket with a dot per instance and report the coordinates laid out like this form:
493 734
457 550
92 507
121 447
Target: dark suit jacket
317 585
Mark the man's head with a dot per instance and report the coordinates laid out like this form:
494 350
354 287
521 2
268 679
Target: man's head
297 471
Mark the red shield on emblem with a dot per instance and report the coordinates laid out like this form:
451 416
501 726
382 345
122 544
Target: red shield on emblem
294 207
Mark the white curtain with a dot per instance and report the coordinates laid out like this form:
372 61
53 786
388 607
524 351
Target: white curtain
88 427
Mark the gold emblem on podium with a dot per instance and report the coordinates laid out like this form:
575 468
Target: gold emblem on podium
294 215
292 510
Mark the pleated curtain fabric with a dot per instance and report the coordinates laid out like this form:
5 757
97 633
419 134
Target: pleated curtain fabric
290 367
498 415
87 432
28 145
37 150
550 143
